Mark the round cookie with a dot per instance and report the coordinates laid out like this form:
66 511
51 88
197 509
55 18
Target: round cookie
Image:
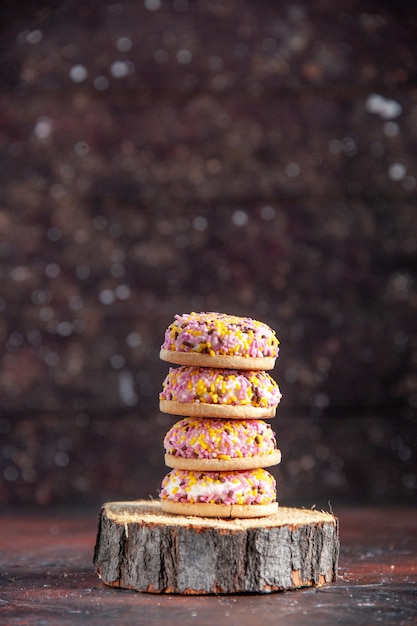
210 392
250 493
220 445
220 340
243 511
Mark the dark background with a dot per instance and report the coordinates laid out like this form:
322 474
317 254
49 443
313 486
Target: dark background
164 156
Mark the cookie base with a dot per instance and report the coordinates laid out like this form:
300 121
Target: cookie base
200 509
223 465
217 360
204 409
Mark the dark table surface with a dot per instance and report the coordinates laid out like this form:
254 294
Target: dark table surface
47 577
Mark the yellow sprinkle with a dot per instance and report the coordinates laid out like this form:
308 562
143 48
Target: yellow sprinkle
200 387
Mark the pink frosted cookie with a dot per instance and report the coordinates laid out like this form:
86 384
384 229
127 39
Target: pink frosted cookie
210 392
220 445
250 493
220 340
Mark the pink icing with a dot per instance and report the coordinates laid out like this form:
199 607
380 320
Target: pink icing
218 438
221 334
238 487
220 386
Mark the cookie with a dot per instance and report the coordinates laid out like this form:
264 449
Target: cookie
212 465
250 493
220 340
220 445
219 510
211 392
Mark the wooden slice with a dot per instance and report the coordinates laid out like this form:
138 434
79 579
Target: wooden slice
141 547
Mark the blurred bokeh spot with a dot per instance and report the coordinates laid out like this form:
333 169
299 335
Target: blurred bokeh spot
165 156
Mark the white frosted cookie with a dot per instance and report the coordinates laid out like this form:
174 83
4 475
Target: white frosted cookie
211 392
250 493
220 445
220 340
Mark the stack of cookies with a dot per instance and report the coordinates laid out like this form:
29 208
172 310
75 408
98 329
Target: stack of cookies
220 449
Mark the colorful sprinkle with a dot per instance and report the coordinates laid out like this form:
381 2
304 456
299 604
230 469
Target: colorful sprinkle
220 386
192 438
239 487
221 334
